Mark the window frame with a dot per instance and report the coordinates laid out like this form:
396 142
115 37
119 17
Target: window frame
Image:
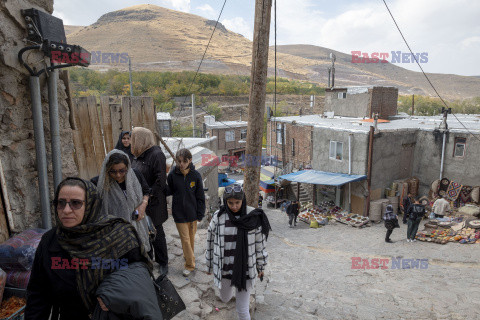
460 141
230 133
243 134
341 95
335 150
278 132
293 147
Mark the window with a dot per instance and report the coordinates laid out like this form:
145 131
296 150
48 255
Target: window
336 150
243 134
342 95
166 125
459 149
293 147
279 134
229 135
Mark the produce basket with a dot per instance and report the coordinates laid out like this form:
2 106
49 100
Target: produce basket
13 292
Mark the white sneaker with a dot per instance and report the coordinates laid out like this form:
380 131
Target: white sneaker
408 240
414 240
186 273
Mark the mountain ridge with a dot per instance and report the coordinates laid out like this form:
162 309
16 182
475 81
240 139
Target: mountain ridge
160 39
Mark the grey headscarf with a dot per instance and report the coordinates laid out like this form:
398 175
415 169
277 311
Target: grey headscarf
120 204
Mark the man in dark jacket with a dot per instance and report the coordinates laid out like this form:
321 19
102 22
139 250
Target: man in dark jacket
415 214
292 211
188 204
407 202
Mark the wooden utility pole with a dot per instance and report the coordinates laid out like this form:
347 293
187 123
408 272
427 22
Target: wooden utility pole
413 104
256 107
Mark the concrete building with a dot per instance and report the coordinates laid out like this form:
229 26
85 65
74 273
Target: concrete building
164 121
403 147
362 101
231 136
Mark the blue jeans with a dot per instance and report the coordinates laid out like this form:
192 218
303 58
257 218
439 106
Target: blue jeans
413 228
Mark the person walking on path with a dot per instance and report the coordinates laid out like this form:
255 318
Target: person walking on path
441 207
415 215
236 250
292 212
407 202
188 204
391 222
151 162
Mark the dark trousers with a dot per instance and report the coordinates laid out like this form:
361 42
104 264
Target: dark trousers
291 218
160 247
412 228
389 233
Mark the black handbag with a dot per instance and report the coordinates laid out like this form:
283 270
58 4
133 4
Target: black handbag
169 300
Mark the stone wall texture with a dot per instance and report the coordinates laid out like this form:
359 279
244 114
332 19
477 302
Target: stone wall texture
17 145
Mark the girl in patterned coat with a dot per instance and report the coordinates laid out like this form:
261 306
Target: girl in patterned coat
236 251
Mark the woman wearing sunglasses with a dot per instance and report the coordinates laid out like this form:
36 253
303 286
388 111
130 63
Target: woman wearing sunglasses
124 192
236 248
70 261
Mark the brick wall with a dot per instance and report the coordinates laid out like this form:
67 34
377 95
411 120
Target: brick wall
222 145
303 143
384 101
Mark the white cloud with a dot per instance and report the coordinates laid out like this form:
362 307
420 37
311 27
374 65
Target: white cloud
181 5
207 11
442 28
239 25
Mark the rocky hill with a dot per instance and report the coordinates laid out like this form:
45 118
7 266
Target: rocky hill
167 40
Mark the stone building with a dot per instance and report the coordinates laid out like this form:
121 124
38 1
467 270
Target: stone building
403 147
231 136
20 207
362 101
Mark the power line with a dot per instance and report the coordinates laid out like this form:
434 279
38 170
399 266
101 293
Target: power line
204 53
428 79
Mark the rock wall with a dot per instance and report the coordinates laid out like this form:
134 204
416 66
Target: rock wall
17 145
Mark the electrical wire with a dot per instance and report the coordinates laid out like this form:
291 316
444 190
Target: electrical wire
205 52
428 79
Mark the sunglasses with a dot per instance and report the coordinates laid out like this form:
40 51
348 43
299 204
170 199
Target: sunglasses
74 204
114 172
234 188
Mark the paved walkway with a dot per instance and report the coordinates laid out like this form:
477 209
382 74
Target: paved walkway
310 276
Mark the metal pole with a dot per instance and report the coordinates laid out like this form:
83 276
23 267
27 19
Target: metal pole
194 116
349 172
130 75
443 154
369 170
54 128
413 104
40 151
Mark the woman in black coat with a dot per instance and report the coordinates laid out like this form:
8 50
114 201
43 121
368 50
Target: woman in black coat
123 144
65 273
151 162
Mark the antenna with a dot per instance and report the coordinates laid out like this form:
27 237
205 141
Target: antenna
331 70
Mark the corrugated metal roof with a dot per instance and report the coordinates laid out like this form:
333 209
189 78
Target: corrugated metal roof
400 122
322 177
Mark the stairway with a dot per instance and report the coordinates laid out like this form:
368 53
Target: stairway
305 197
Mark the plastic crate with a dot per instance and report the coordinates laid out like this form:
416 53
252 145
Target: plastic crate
14 292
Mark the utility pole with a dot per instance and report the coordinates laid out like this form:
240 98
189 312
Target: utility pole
256 108
413 104
130 75
194 116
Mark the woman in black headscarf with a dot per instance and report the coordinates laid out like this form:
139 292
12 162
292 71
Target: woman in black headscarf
236 248
123 144
70 261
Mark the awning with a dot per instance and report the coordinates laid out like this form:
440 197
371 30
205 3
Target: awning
322 177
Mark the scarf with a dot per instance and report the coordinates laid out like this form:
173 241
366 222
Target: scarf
120 146
119 204
99 236
244 223
142 139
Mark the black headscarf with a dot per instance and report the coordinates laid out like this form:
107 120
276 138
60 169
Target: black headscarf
120 146
99 236
244 223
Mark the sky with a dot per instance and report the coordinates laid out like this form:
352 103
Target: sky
447 31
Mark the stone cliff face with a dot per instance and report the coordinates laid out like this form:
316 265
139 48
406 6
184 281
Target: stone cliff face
17 145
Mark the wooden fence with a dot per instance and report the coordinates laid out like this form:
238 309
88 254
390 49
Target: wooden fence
99 125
